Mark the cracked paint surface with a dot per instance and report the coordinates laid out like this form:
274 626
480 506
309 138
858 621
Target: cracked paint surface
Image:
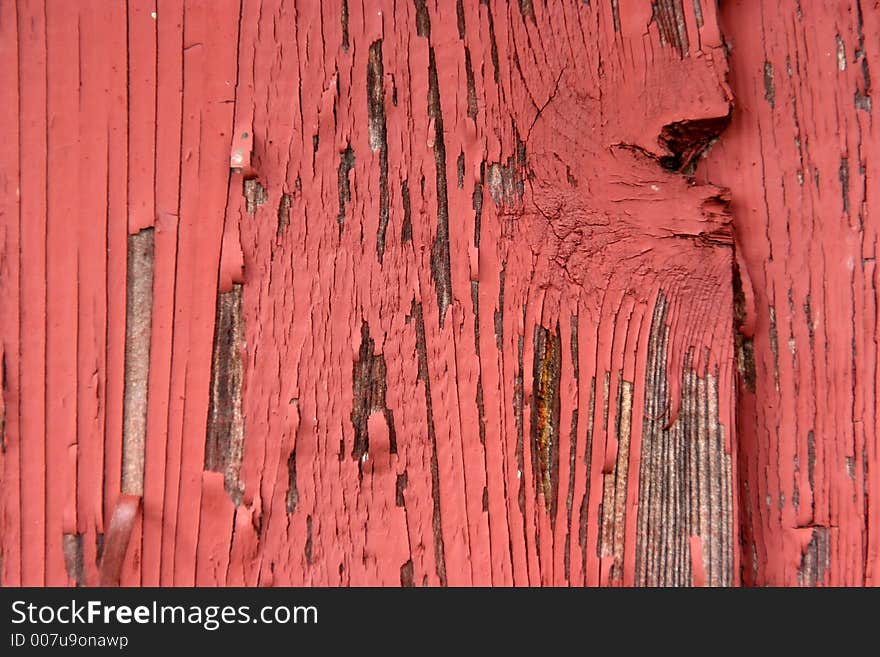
800 155
474 312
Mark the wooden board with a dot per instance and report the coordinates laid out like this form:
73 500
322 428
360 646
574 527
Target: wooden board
427 293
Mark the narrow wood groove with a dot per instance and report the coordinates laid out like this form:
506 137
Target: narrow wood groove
138 325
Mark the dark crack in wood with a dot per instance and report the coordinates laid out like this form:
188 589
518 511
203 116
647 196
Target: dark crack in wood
378 135
545 414
424 377
224 443
369 382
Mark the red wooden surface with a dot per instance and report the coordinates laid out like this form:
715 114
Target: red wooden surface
799 158
459 315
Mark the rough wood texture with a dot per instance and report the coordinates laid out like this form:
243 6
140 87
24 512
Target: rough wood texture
800 157
138 323
484 320
225 441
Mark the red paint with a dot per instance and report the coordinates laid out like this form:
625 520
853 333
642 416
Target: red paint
242 147
800 159
696 546
136 119
597 230
11 502
117 539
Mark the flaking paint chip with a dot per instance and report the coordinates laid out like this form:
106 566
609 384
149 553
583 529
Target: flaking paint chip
242 147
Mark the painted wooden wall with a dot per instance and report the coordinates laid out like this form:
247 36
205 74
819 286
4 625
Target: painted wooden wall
437 293
799 158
